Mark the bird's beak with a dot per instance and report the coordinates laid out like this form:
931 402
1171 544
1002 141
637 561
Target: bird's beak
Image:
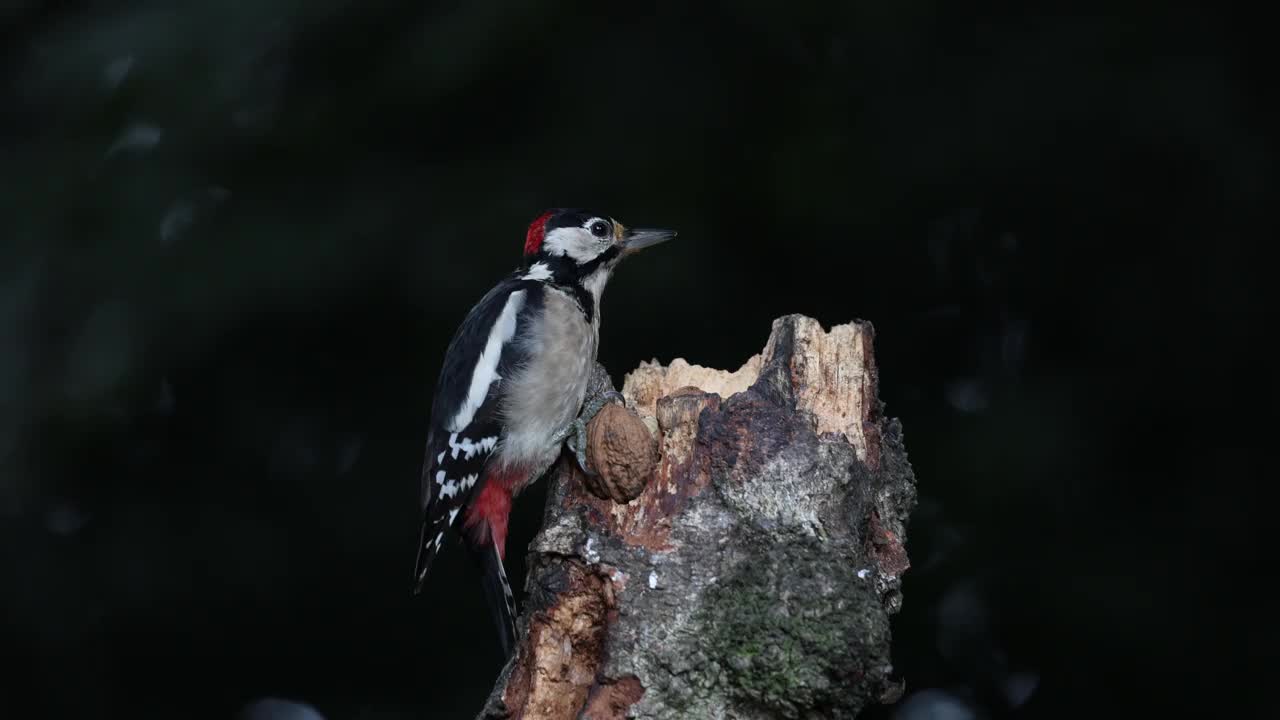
633 241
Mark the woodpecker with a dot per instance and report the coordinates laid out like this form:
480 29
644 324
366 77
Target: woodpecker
512 387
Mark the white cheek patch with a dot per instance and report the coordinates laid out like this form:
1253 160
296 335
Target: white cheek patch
575 243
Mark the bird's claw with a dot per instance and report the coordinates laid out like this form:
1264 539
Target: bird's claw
578 436
579 446
610 396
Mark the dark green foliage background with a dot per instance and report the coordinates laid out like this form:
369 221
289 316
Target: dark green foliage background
236 238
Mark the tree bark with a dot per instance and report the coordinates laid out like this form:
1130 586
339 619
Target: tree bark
754 570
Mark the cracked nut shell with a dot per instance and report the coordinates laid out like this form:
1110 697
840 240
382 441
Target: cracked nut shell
621 451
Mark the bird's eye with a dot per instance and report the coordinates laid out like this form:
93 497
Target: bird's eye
600 228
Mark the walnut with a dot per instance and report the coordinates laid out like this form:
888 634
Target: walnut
621 451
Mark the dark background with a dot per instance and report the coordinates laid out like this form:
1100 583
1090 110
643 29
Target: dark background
236 239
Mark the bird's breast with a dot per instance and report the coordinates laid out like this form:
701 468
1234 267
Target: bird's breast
545 394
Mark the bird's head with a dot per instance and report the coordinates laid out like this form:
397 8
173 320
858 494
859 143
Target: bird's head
584 244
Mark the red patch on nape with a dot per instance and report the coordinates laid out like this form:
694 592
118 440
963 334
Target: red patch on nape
537 232
488 513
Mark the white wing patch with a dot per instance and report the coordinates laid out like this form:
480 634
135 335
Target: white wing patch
486 370
538 271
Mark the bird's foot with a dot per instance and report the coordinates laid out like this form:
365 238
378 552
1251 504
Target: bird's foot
578 430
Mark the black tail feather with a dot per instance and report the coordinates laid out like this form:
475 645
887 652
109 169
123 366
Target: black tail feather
497 595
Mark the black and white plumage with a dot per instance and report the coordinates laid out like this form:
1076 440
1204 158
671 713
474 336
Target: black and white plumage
511 387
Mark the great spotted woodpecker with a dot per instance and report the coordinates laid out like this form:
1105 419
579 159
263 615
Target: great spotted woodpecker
512 387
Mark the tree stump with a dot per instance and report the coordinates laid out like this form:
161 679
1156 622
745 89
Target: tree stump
753 572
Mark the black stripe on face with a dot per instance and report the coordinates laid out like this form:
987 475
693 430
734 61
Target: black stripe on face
603 258
585 270
585 302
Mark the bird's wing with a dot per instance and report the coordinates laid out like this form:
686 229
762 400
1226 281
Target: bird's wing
465 427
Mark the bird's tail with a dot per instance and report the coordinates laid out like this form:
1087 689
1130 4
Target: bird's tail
498 595
497 589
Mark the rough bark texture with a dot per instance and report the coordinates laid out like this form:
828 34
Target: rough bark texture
753 576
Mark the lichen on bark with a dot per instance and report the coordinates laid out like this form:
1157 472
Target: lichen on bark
796 633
